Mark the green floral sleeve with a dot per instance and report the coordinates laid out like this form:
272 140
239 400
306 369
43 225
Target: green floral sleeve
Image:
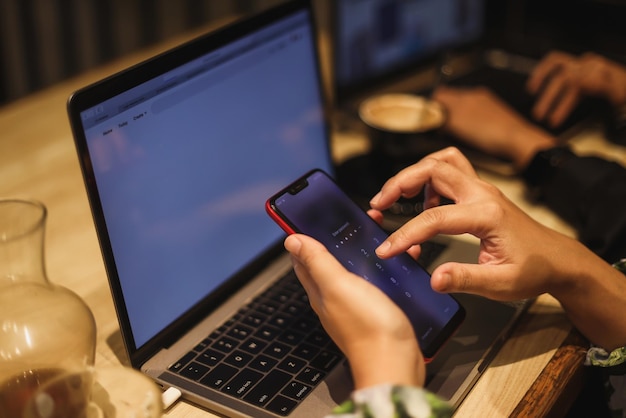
393 401
597 356
614 366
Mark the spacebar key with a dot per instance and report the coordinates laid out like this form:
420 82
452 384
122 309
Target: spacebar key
269 386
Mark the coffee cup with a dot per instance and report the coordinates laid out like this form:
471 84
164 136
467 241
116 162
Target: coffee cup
403 126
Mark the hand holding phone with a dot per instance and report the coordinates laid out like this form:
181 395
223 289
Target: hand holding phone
315 205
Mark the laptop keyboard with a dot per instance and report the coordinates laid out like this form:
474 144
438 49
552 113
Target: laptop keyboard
271 354
273 351
430 251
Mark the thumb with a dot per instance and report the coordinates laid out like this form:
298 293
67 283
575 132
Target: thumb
312 261
491 281
305 250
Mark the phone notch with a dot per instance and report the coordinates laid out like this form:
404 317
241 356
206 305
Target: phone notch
298 186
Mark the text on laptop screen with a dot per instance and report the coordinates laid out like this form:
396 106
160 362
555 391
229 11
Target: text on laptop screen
374 38
185 161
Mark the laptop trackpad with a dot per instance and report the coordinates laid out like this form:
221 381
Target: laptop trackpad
460 362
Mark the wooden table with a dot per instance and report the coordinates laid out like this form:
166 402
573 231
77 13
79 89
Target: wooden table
38 160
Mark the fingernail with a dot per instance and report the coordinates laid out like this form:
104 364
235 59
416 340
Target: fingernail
293 244
383 248
445 282
375 199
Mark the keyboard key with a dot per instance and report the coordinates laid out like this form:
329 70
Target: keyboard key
263 363
242 383
238 359
202 345
281 405
225 344
277 350
267 307
267 333
305 351
294 309
240 332
267 388
194 371
253 346
280 296
176 367
210 357
280 320
311 376
305 325
291 337
214 335
291 283
325 361
292 364
254 319
304 298
296 390
319 339
219 376
331 346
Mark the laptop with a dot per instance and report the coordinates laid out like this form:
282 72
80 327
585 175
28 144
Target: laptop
413 45
179 154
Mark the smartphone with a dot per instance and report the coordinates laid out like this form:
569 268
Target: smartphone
315 205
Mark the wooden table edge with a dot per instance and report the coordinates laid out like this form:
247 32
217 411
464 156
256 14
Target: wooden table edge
560 382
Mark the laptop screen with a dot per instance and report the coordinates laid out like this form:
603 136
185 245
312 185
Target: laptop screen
184 157
377 39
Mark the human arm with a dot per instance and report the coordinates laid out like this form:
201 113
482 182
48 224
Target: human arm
519 258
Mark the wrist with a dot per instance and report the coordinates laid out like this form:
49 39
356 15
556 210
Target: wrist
527 143
616 90
592 294
392 362
545 164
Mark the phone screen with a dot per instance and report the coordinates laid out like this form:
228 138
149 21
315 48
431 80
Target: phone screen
314 205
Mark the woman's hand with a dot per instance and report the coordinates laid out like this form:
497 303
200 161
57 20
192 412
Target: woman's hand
371 330
519 257
560 80
479 118
514 250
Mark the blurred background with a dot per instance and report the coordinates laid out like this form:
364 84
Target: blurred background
46 41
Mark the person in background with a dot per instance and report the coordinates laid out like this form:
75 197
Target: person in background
519 258
589 192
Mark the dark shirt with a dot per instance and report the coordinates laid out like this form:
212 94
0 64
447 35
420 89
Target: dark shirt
588 192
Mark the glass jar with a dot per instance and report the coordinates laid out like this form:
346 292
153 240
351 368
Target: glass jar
45 330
